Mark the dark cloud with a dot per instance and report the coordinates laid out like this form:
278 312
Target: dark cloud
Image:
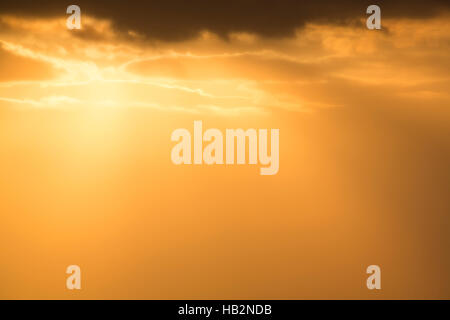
173 20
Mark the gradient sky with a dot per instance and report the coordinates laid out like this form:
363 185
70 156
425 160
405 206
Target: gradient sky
86 177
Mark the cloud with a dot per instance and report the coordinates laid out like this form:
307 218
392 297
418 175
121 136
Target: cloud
174 20
45 102
18 68
250 66
323 65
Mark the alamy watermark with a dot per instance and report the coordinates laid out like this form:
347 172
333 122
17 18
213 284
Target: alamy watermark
74 20
213 153
374 280
374 20
74 280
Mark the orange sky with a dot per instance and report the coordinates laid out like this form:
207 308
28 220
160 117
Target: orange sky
86 177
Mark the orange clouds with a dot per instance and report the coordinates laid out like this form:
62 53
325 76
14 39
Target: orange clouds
17 68
246 71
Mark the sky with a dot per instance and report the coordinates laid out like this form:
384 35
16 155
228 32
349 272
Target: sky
85 123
